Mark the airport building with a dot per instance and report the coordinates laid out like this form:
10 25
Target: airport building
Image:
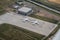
25 11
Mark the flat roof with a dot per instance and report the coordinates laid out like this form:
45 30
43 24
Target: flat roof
24 9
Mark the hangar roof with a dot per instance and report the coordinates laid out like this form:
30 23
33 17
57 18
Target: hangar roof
24 9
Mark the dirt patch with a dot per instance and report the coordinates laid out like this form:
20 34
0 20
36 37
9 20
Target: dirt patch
48 15
55 1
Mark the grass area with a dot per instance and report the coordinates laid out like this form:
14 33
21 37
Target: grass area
1 10
4 4
44 18
11 32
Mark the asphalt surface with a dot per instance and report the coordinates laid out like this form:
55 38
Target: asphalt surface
44 28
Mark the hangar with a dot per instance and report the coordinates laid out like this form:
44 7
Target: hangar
25 11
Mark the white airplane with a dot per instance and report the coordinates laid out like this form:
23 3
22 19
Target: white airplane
35 22
25 19
16 6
